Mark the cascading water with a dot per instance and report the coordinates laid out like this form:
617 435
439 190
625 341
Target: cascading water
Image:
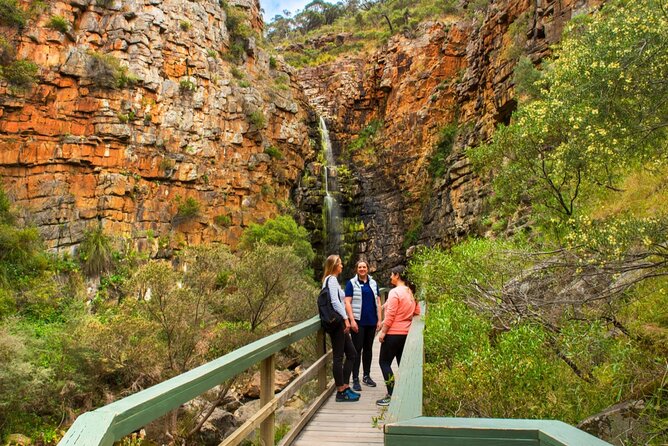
331 206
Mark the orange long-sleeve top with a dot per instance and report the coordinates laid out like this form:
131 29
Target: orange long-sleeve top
399 310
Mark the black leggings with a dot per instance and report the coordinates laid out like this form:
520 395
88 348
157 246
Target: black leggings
392 347
341 343
363 341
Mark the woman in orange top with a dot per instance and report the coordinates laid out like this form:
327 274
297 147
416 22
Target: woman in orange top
399 311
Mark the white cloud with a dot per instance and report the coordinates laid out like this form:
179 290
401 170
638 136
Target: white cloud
273 7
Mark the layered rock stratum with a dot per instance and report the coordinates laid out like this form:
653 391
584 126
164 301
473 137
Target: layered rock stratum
77 150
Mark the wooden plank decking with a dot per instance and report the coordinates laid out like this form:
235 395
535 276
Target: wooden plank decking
351 423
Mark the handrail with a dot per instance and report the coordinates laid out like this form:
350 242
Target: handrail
110 423
405 425
406 402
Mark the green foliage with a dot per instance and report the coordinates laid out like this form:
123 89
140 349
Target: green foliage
223 220
280 231
273 290
21 255
257 119
212 53
413 234
527 80
167 164
442 149
11 14
459 269
274 152
187 86
7 52
517 34
237 73
282 82
186 210
95 252
365 143
272 62
106 71
24 385
6 214
371 23
237 25
600 115
185 25
562 360
20 74
59 23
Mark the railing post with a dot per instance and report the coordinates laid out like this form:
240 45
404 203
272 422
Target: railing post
266 395
320 350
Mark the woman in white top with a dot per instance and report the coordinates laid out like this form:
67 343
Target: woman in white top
341 341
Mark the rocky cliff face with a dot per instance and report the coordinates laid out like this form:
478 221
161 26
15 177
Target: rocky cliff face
388 112
161 120
168 123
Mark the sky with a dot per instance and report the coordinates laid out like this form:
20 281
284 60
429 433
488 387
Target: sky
273 7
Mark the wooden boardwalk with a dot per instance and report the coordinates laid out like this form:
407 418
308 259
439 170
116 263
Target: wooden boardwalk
349 423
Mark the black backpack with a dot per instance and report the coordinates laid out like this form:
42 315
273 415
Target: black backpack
330 319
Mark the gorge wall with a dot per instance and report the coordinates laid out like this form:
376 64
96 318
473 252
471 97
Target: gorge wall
207 135
387 112
210 134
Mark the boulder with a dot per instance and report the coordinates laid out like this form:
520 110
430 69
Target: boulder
281 379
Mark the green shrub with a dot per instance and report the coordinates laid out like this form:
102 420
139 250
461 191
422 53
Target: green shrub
212 53
11 14
280 231
244 84
106 71
7 52
187 86
20 74
237 73
239 31
257 119
235 52
223 220
526 79
363 144
185 25
6 214
186 210
413 234
167 164
96 252
442 149
273 152
272 62
21 255
59 23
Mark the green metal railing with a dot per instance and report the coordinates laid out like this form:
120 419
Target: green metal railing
110 423
405 424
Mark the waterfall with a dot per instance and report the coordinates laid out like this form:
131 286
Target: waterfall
331 208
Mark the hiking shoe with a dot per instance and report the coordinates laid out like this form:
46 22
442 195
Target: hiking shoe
350 391
368 381
346 396
384 401
356 385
